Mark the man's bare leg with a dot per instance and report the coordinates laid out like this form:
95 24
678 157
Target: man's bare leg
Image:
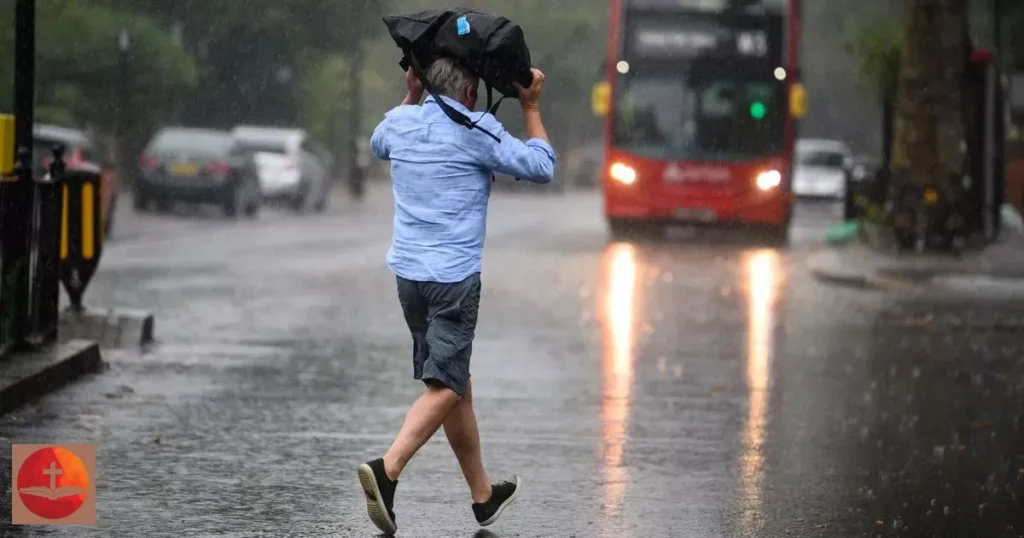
463 436
425 416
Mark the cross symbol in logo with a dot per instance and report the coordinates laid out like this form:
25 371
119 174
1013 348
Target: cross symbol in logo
52 472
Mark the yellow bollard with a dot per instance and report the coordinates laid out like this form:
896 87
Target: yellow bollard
7 146
88 221
798 101
601 99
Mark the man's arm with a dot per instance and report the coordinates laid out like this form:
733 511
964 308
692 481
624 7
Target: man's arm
535 159
413 96
415 88
534 124
379 141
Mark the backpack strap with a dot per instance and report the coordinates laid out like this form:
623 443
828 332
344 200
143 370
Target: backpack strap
493 110
492 107
454 115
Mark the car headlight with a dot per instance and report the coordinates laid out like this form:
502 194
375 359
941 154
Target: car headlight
769 179
623 173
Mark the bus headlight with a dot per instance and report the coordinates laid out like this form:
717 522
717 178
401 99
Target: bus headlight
769 179
623 173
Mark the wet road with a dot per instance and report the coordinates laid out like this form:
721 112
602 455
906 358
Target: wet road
698 387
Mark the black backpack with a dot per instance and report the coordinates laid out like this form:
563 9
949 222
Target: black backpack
491 47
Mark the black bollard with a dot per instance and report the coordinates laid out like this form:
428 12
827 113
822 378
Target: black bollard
81 232
46 281
16 193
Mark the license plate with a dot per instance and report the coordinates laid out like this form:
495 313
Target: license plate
184 169
696 214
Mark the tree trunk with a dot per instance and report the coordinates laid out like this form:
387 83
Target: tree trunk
929 122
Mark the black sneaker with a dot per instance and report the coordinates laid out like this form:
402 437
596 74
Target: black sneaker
502 495
380 495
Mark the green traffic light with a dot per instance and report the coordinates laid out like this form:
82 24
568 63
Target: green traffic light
758 110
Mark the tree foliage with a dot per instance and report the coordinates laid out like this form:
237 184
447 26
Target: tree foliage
78 65
255 55
878 47
326 90
196 62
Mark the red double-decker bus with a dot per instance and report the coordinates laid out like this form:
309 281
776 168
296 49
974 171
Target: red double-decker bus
702 99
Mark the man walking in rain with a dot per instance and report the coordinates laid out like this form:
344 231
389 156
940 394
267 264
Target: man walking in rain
441 174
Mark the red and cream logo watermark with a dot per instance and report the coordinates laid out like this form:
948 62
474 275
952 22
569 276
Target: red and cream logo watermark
53 484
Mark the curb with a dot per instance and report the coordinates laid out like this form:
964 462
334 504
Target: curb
862 281
840 279
111 328
27 376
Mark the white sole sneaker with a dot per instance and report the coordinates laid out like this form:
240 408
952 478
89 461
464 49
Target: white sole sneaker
508 502
374 501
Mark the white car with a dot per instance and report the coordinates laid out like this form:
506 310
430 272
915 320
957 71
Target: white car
290 167
821 168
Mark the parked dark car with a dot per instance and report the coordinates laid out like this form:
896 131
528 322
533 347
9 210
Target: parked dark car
199 166
80 151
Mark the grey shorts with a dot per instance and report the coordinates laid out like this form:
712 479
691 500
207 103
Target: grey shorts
442 320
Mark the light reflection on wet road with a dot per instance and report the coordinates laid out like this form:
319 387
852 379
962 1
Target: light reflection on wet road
762 269
618 327
702 386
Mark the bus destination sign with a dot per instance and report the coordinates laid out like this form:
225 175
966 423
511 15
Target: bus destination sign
651 39
684 42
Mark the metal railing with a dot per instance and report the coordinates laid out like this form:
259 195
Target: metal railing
30 239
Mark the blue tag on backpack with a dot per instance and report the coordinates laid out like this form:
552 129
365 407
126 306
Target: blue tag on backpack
463 25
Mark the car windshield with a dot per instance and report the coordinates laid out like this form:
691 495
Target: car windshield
828 159
262 146
674 117
198 144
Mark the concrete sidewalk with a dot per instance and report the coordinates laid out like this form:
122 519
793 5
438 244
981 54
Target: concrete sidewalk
861 266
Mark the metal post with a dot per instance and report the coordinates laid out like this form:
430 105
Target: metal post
989 212
16 196
888 120
355 172
997 29
124 167
1002 116
46 280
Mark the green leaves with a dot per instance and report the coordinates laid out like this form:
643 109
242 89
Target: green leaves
878 45
325 104
78 64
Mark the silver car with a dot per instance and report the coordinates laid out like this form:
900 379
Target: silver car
821 168
290 166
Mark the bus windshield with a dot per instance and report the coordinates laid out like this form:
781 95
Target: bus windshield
672 116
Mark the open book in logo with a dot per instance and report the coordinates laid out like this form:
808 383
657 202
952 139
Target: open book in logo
52 492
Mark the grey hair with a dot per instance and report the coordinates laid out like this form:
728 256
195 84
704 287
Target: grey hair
450 79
